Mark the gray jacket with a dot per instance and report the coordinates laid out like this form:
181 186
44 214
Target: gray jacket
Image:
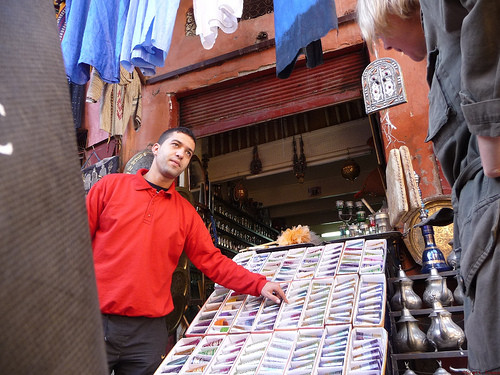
464 78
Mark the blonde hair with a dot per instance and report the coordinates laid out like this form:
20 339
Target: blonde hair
372 16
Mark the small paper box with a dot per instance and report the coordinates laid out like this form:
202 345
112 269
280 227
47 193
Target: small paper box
351 256
251 354
333 351
257 262
305 351
316 303
246 318
178 356
273 263
227 354
368 351
203 354
370 301
243 258
277 353
342 299
374 255
203 319
226 314
309 263
329 261
290 313
289 265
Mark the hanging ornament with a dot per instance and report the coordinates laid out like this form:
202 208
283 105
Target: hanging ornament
350 170
256 164
299 162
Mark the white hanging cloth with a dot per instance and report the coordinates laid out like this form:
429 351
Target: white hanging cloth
210 15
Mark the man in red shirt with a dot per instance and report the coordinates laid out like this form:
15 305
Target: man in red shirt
139 225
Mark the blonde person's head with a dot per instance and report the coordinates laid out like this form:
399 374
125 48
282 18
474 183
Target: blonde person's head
372 16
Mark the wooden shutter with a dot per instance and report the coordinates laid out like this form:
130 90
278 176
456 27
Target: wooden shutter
261 98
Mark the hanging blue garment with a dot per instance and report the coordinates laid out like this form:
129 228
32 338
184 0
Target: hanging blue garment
71 44
103 36
93 37
132 23
299 26
148 34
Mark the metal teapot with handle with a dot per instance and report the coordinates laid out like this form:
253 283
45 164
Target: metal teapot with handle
405 294
409 337
443 332
437 290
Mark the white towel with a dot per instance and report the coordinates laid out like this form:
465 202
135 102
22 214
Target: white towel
210 15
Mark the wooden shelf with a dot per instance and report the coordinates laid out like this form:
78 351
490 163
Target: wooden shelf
430 355
427 311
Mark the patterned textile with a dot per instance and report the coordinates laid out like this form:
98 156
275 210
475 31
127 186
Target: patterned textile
95 172
118 101
60 7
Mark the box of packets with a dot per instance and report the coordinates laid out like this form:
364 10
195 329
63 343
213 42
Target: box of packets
368 351
370 301
334 350
329 261
209 310
342 299
350 259
373 258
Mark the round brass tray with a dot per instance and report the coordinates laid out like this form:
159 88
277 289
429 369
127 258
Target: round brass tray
443 235
142 159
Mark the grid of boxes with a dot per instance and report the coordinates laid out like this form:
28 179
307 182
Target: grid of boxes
332 324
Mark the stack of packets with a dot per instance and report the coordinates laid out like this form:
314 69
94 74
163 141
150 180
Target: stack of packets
333 323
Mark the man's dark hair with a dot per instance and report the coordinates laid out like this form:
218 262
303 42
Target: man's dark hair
180 129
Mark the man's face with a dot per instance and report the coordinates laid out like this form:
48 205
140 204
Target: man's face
174 154
407 36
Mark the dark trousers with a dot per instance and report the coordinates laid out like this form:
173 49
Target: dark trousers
134 345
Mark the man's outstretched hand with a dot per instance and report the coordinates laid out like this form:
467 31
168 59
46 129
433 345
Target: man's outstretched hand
274 292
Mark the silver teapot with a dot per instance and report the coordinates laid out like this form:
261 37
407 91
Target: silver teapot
443 332
452 259
437 290
441 371
409 371
409 337
404 294
458 293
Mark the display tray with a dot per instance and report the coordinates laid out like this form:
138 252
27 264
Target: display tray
332 290
296 352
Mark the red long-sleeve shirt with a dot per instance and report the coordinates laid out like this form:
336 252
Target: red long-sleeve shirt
138 235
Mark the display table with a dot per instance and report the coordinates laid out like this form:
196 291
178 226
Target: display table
337 320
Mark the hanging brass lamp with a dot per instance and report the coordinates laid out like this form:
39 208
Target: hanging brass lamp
351 169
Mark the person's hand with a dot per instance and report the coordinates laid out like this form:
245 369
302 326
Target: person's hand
489 149
274 292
